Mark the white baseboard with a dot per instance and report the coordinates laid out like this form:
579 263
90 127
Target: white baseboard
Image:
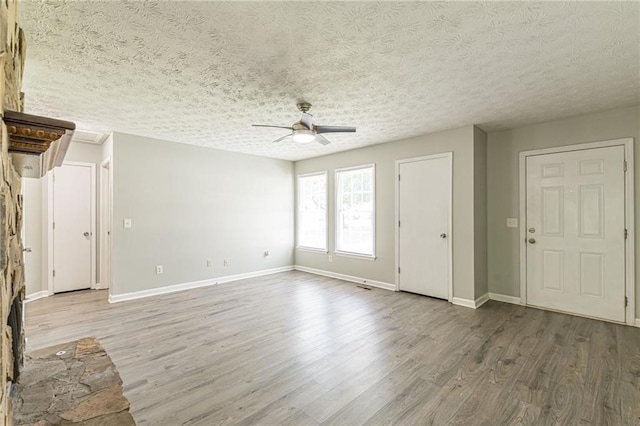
637 322
468 303
359 280
35 296
115 298
482 300
505 298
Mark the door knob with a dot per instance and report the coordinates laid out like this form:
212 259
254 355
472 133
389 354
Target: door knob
532 240
443 235
86 234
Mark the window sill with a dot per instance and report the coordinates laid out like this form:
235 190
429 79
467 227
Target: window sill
355 255
312 250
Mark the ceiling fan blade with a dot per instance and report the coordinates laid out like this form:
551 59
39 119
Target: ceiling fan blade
306 120
276 127
334 129
282 138
322 140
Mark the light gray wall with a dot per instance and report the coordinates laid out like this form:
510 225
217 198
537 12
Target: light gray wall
502 164
460 142
189 204
480 210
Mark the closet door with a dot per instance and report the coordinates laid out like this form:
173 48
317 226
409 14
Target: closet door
424 213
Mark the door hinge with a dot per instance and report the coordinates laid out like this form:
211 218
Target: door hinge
398 269
54 225
626 301
626 234
398 224
398 177
54 272
625 165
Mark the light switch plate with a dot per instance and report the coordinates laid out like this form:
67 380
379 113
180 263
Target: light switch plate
127 223
512 222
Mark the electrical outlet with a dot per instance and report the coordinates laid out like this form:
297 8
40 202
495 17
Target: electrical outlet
225 262
127 223
330 258
512 222
266 253
209 263
159 270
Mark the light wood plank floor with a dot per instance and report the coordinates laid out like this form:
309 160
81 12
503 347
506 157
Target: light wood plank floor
297 349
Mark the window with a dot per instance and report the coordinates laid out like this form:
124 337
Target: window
312 211
355 211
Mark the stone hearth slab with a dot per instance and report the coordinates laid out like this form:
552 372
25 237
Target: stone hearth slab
74 383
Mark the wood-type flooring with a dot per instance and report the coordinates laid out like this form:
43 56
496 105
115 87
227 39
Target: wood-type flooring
300 349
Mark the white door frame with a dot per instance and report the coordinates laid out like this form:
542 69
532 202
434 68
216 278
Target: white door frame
448 155
49 228
105 223
629 215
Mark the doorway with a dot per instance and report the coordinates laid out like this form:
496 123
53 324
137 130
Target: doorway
73 227
576 233
423 210
105 224
32 237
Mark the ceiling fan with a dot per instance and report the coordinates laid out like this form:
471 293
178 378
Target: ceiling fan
304 130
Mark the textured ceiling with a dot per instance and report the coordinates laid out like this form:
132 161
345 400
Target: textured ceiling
202 72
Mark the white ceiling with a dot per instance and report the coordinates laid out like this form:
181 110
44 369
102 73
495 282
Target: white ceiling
203 72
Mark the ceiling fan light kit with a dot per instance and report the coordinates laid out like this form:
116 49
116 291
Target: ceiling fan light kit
304 131
303 135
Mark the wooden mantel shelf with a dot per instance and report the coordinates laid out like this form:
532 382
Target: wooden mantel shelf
37 144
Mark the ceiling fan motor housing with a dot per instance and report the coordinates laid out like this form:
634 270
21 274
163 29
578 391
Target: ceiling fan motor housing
304 106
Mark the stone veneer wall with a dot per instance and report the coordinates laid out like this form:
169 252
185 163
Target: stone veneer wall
12 289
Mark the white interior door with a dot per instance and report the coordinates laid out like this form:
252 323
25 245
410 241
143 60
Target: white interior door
424 212
575 232
72 227
32 234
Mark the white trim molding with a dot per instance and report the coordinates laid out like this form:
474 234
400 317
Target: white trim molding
627 143
637 322
37 295
115 298
504 298
468 303
350 278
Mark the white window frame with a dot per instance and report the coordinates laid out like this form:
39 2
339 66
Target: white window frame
326 212
337 192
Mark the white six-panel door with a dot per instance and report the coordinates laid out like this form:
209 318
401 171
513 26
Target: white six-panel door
424 211
72 232
575 228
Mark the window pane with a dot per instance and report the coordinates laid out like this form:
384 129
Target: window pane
312 215
357 182
355 211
